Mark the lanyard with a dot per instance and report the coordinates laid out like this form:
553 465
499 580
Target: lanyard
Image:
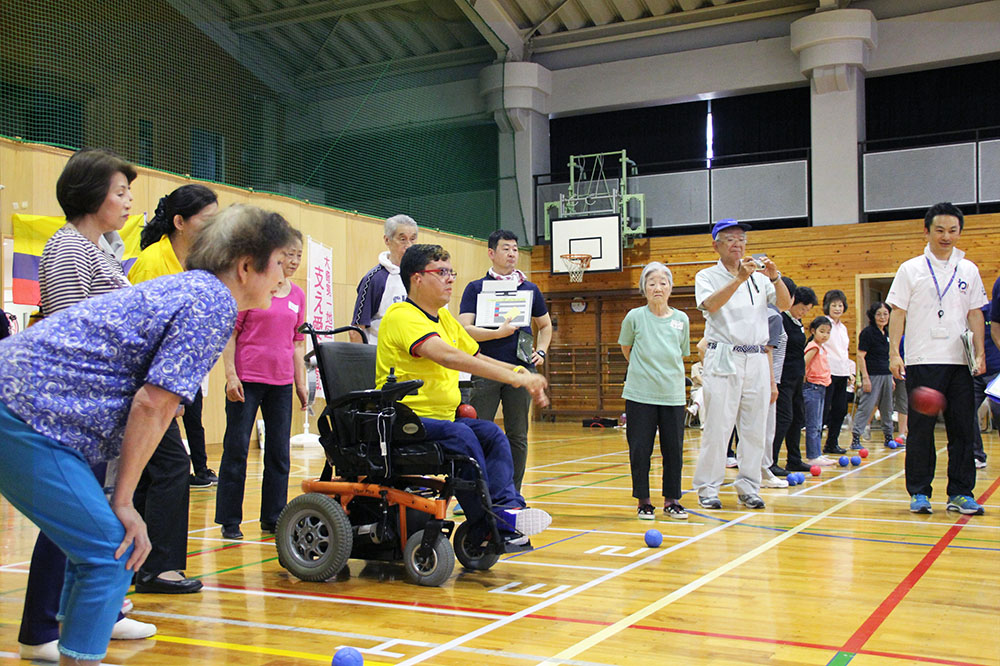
937 287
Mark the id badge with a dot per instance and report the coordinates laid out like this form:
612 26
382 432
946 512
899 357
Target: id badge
939 333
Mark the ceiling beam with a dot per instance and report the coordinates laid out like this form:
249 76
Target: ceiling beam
496 27
421 63
673 22
313 11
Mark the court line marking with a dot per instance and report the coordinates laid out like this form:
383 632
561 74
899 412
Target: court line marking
845 473
277 652
460 640
889 604
683 591
914 523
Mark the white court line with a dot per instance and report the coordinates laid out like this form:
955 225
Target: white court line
577 460
893 501
350 602
378 640
529 563
629 534
455 642
864 519
842 475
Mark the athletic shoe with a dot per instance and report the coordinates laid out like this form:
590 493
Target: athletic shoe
127 606
867 436
797 467
709 502
199 482
920 504
527 521
778 470
751 501
231 532
128 629
268 528
835 449
980 464
45 652
731 462
822 461
856 442
209 475
675 511
646 512
966 505
769 480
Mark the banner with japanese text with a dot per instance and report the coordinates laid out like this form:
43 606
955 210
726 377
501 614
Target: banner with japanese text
319 294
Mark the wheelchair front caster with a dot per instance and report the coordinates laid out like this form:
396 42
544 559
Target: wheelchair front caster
313 537
481 555
431 569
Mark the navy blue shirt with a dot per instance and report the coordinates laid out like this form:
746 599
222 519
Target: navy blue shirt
875 344
502 349
991 313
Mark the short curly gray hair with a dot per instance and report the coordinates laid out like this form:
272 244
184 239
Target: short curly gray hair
397 221
651 268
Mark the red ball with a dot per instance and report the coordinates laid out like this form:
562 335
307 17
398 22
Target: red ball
465 411
863 453
815 470
927 401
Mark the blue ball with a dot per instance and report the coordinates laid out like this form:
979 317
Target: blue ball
792 479
843 461
893 444
855 460
800 477
653 538
348 656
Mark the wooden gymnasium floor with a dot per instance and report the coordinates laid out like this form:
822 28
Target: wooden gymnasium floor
833 572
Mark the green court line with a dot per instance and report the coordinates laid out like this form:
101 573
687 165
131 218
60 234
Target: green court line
242 566
566 490
16 589
841 659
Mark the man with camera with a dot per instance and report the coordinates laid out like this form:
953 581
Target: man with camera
738 378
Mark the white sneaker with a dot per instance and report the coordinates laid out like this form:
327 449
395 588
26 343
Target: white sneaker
769 480
731 462
822 461
528 521
129 629
45 652
980 464
127 606
867 435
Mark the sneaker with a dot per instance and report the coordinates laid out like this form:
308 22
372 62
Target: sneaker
750 501
867 436
920 504
527 521
199 482
127 606
45 652
646 512
268 528
778 470
675 511
209 475
980 464
731 462
966 505
231 532
822 461
769 480
856 442
128 629
888 438
709 502
834 449
797 466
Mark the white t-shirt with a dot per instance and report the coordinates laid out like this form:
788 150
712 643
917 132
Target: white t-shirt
836 350
931 339
743 319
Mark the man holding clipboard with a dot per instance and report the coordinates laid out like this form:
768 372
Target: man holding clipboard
498 311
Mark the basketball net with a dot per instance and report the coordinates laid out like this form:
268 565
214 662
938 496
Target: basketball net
576 264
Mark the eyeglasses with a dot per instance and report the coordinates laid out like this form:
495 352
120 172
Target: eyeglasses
443 273
733 240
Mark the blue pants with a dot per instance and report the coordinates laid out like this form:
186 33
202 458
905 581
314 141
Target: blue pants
484 441
275 404
55 488
813 397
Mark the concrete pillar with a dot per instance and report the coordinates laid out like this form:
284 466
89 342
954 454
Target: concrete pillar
833 49
517 95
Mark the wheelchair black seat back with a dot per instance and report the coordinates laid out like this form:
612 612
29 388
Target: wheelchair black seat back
390 496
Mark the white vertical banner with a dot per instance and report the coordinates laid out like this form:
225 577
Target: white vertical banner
319 296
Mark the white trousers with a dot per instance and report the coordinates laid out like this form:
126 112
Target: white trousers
768 459
738 400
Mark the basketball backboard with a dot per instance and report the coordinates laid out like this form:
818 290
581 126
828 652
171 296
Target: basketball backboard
599 236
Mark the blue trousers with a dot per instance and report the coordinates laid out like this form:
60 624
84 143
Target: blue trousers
54 487
275 404
813 397
484 441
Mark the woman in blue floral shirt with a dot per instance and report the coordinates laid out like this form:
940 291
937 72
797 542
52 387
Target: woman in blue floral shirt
103 379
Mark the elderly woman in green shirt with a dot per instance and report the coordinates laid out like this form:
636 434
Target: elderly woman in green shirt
655 338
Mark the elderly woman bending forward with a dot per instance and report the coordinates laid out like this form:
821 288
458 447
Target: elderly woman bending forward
655 338
103 379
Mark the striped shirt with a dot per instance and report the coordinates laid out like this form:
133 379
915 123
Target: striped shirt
73 269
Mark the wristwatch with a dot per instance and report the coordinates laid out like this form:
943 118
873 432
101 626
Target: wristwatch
540 352
776 278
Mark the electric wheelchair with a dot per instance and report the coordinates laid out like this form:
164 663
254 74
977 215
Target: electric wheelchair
389 498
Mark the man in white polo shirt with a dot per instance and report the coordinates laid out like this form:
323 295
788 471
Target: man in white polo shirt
733 295
935 297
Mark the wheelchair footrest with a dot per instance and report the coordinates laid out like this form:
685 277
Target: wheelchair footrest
509 547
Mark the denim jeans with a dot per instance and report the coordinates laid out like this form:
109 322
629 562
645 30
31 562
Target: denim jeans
813 397
484 441
54 487
275 404
486 397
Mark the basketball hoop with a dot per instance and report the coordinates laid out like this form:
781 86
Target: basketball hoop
576 264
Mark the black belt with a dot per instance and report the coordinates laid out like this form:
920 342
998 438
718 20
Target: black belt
743 349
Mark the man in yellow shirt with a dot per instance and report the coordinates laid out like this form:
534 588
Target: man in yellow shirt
420 339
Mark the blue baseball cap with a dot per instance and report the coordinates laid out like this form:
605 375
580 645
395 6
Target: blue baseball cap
722 225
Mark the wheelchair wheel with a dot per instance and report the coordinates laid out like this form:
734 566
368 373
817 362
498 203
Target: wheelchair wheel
433 570
473 555
313 537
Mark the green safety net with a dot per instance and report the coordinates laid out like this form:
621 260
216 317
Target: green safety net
374 110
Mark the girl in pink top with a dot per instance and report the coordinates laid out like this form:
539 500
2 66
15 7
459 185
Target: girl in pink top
814 389
264 360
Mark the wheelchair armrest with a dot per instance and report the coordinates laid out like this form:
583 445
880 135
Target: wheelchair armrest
369 394
388 394
393 391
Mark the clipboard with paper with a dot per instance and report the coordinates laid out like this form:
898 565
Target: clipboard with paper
501 299
993 389
970 351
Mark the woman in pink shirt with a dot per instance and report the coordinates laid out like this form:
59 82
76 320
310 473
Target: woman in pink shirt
814 389
841 370
264 360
